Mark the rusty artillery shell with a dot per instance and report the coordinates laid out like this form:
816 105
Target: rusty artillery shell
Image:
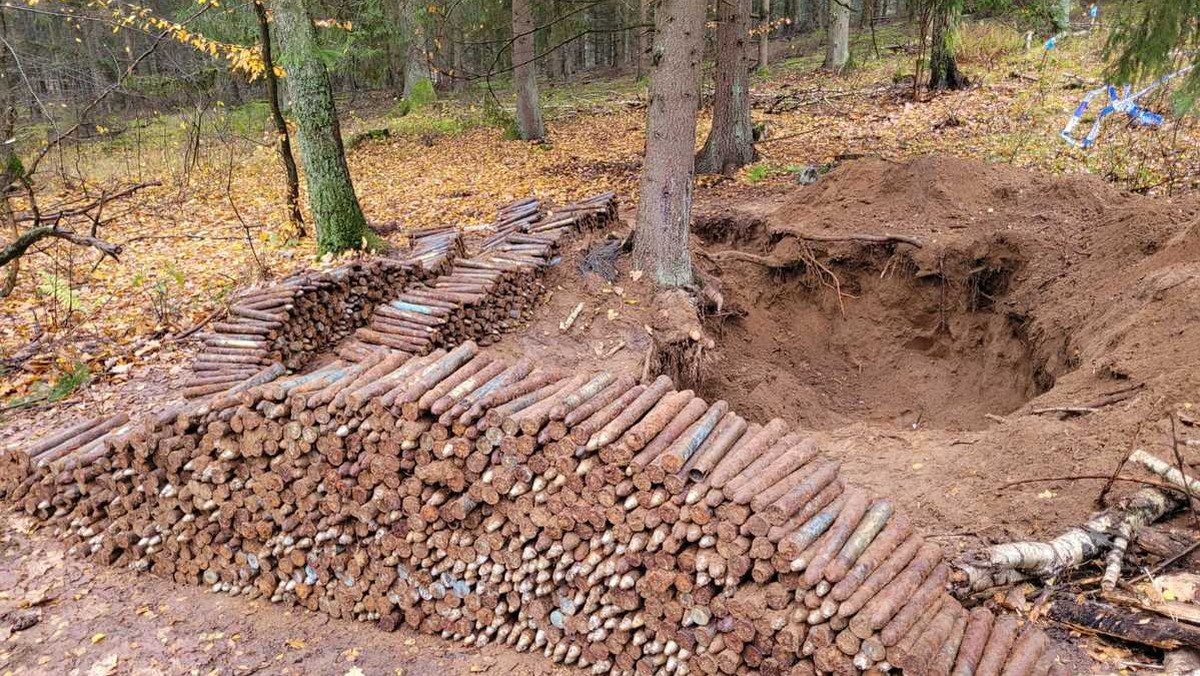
915 606
778 511
584 393
588 427
690 413
870 526
464 372
974 640
490 372
881 609
918 659
436 372
1026 651
605 397
883 574
516 396
758 525
814 560
944 659
893 534
745 453
682 449
631 414
771 477
532 418
798 540
728 432
1000 640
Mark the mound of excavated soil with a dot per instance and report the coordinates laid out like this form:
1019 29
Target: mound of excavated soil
1027 291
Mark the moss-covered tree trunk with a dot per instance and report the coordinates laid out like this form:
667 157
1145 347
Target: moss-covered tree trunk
730 143
943 67
665 198
418 76
338 217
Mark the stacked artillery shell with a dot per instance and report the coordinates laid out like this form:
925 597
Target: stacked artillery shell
481 297
303 315
596 212
618 527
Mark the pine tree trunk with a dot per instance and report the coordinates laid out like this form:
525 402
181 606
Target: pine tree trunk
529 108
416 63
283 139
730 143
838 49
764 38
643 40
338 217
665 204
943 69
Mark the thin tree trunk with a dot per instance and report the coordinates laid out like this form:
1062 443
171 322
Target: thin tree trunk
283 139
10 165
838 48
416 63
529 108
339 220
943 68
764 38
665 204
643 40
730 143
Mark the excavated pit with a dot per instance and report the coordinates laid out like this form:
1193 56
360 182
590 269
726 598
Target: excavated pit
901 347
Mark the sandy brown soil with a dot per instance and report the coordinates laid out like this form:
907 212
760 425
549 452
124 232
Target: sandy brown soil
1028 292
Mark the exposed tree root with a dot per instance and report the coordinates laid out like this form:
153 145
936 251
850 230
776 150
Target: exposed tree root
680 347
871 239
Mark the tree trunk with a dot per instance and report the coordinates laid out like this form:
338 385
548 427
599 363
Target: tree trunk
665 204
283 139
943 69
1060 16
459 82
10 165
837 52
764 38
529 108
801 17
730 144
416 63
339 219
643 40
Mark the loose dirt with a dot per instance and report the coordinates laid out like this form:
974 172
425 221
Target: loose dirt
1027 291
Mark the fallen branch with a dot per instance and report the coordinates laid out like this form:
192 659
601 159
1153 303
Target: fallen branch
1006 563
1093 406
1125 624
18 246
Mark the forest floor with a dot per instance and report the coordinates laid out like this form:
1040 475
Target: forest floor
922 367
